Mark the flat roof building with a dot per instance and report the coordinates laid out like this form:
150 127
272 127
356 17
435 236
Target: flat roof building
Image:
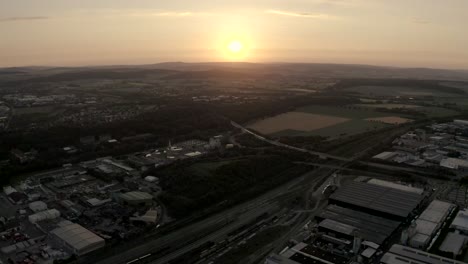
38 206
134 198
44 215
460 222
77 239
369 227
396 186
454 244
399 254
429 222
377 200
306 254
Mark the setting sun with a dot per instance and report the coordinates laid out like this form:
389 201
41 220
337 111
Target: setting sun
235 46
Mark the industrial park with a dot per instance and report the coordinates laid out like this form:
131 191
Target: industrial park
219 163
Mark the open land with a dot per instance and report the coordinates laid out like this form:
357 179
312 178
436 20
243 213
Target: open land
391 120
326 121
296 121
394 91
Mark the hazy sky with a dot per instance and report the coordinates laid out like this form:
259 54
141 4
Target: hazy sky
427 33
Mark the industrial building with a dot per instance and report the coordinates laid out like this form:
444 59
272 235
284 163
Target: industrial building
429 222
38 206
399 254
396 186
44 215
377 200
454 244
304 254
134 198
368 227
76 238
460 223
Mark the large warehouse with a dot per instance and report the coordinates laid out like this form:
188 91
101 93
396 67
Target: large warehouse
377 200
134 198
368 227
399 254
429 222
77 239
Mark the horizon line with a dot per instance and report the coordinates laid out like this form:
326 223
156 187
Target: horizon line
231 62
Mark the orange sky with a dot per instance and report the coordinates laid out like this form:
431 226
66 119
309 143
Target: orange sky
429 33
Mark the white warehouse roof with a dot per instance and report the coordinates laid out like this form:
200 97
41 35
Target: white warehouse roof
151 179
80 239
44 215
38 206
461 221
436 212
453 163
385 155
396 186
454 243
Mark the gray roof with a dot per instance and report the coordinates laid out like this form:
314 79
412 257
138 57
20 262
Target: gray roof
453 243
378 198
77 236
337 227
401 254
372 228
136 196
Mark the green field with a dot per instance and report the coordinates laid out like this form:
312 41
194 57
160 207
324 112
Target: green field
392 91
387 106
430 111
356 116
345 111
355 125
208 168
352 127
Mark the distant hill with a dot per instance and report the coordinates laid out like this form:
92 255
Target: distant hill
228 70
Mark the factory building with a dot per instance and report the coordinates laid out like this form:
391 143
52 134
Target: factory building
377 200
38 206
304 254
396 186
399 254
134 198
429 222
454 244
460 223
76 238
344 222
44 215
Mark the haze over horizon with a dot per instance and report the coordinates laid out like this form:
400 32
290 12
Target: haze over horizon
389 33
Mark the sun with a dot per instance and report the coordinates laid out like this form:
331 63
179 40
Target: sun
235 46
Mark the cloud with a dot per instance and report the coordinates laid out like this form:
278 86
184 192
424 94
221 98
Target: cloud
300 14
169 14
25 18
175 14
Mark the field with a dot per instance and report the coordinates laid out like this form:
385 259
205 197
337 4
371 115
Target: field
387 106
392 91
207 168
395 120
429 111
331 122
296 121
